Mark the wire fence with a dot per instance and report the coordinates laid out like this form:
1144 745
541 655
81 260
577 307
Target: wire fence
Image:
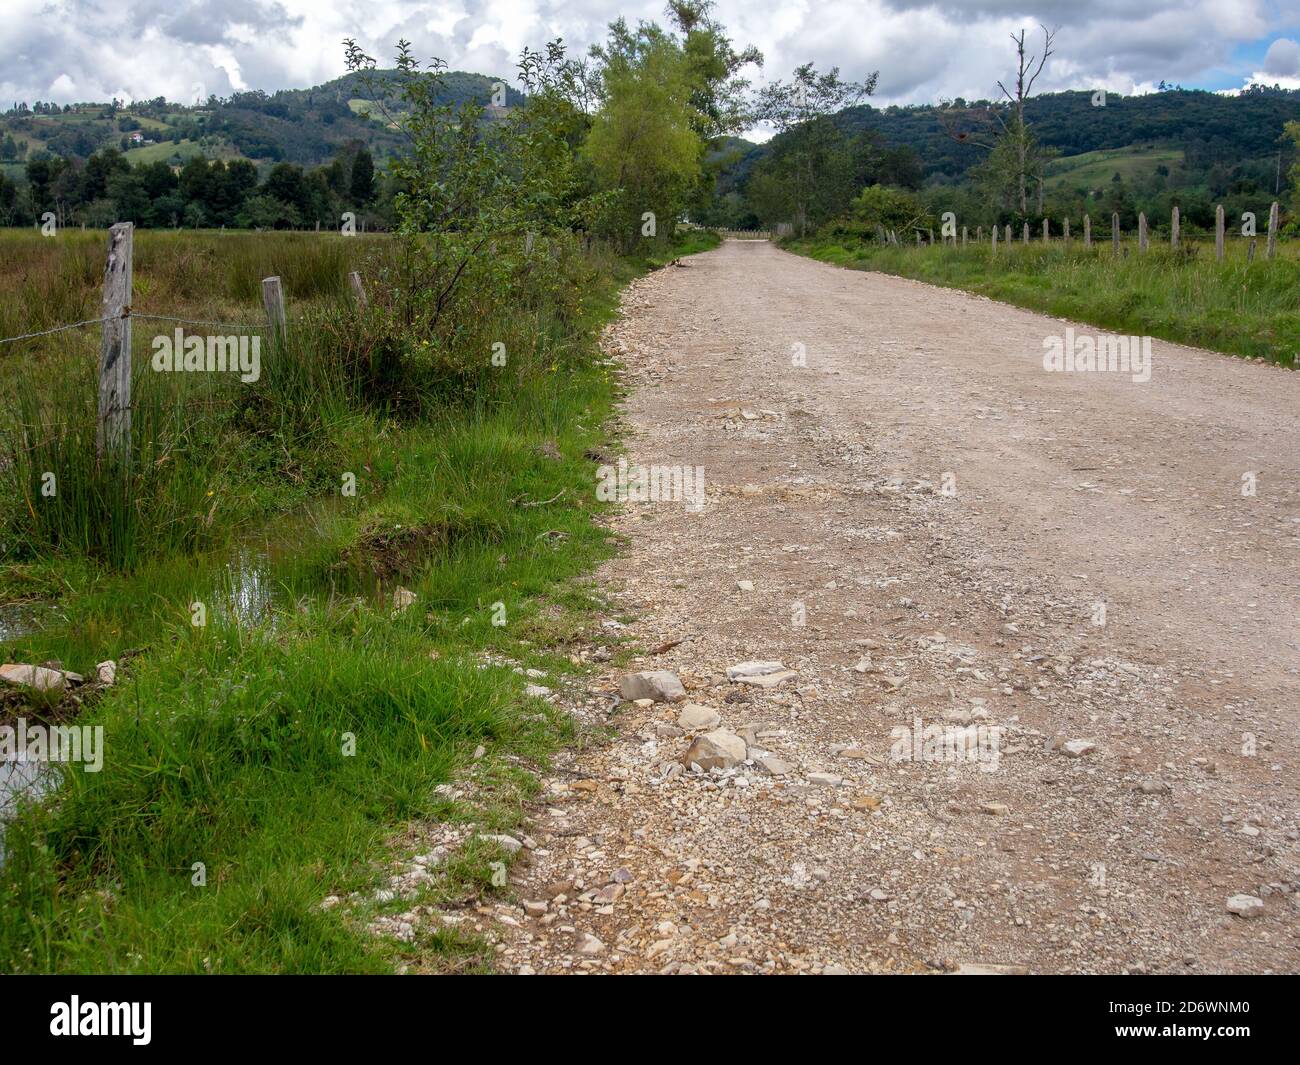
56 329
133 314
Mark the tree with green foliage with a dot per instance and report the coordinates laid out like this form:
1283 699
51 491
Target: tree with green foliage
811 144
1291 131
888 208
362 183
719 98
644 146
478 199
8 200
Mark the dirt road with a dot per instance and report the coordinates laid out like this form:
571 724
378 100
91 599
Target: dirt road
939 531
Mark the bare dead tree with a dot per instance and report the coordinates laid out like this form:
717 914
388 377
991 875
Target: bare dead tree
1026 74
1002 130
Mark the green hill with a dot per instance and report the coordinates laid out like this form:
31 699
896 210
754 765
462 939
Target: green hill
304 126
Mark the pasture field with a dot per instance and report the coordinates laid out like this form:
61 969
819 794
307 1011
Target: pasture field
225 741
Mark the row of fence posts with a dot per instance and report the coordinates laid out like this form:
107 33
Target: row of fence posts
1144 238
113 431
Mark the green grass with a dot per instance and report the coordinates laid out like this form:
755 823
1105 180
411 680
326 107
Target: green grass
1234 307
226 744
1094 170
164 150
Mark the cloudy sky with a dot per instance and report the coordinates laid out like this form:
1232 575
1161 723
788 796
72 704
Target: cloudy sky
80 50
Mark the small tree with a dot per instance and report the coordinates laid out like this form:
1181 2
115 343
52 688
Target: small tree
800 110
362 184
1292 131
644 147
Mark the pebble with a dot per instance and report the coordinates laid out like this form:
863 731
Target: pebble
661 686
753 669
696 718
718 749
1246 905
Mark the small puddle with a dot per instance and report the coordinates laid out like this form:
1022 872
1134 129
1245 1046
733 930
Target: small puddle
17 620
22 780
286 562
270 573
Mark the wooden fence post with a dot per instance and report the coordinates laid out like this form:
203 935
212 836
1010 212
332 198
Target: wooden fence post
930 233
1272 230
1174 227
1087 231
273 301
1046 233
995 240
1066 230
113 431
1006 235
1025 234
358 290
1142 232
918 238
979 233
963 236
1218 232
1250 251
1114 232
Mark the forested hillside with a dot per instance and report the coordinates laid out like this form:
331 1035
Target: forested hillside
1123 155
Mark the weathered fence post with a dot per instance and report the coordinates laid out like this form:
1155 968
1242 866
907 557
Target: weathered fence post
273 301
979 233
1174 227
358 290
1142 232
930 233
1025 234
1114 232
1066 230
1046 233
1218 232
1272 230
1087 231
963 236
918 238
1006 235
995 240
1250 251
113 431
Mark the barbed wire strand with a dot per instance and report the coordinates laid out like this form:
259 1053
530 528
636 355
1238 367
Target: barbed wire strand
191 321
139 314
56 329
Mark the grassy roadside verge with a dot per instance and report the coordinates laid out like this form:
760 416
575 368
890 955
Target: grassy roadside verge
252 768
1252 310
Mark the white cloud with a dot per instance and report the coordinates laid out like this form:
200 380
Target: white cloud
925 50
1283 58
